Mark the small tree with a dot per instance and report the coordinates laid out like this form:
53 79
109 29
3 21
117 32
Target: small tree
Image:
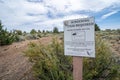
1 26
33 31
18 32
5 36
39 31
97 27
55 30
43 31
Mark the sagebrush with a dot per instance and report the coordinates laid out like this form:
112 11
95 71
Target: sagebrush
51 64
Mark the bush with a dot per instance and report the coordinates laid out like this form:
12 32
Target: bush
49 61
6 37
19 38
104 66
33 31
97 27
118 31
55 30
51 64
18 32
32 36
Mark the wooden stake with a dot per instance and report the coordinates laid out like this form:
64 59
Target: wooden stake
77 68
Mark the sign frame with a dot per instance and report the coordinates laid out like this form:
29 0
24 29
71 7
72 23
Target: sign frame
79 37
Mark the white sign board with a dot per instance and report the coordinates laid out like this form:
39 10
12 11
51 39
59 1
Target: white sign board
79 37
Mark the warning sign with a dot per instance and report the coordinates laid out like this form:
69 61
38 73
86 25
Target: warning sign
79 37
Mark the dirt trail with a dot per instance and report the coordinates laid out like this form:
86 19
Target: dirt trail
13 64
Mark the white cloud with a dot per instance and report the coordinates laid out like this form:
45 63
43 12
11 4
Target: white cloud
16 12
49 24
109 14
75 5
51 21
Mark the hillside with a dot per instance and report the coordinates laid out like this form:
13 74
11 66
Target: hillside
13 64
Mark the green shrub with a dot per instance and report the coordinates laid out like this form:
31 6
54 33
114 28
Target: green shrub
104 66
97 27
33 31
18 32
32 36
39 35
19 38
51 64
6 37
55 30
118 31
49 61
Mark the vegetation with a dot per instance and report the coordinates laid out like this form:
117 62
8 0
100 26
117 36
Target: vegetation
112 37
39 31
104 66
49 61
55 30
6 37
33 31
51 64
18 32
43 31
118 30
97 27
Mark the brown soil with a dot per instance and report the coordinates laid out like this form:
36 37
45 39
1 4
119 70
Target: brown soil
115 46
13 64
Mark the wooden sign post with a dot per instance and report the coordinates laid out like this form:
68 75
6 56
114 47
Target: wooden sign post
77 68
79 41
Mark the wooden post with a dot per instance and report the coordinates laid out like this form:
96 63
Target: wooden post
77 68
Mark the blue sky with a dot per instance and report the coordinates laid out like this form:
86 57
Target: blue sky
46 14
